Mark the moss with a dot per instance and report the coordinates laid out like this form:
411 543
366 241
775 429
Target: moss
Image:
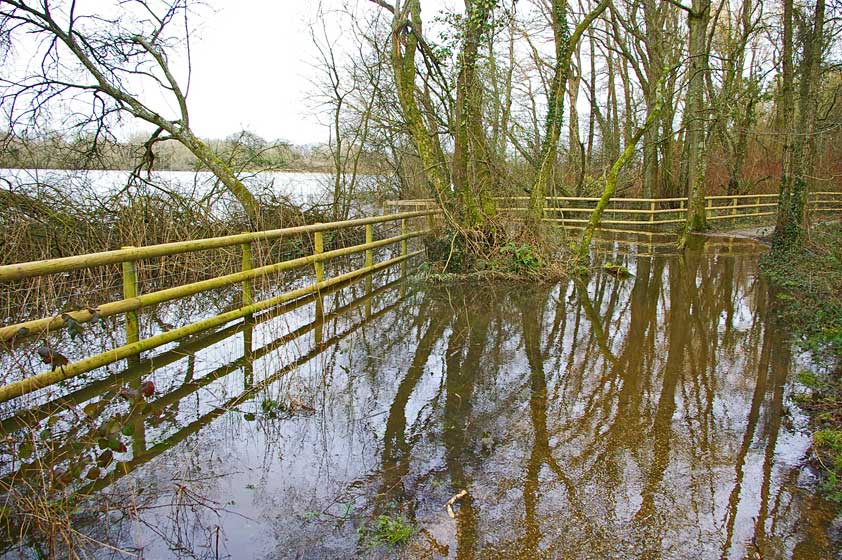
809 379
810 291
828 448
810 299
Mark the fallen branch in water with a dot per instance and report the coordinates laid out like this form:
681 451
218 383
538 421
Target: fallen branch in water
453 500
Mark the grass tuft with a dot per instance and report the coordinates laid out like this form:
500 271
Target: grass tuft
387 530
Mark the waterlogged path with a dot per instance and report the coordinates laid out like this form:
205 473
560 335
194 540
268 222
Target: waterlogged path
642 418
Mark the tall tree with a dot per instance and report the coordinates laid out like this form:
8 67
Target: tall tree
463 187
647 34
735 101
799 129
350 116
473 174
696 117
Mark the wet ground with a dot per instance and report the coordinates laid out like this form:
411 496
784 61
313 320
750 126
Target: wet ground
648 417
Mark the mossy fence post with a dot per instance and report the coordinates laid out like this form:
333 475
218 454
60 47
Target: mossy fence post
319 267
248 321
369 262
247 264
130 291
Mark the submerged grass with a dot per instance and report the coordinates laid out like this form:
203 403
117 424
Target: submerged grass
392 531
810 299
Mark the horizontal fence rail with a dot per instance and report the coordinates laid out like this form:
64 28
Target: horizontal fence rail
133 300
646 213
67 264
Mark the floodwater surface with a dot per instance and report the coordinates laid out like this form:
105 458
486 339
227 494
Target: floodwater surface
646 418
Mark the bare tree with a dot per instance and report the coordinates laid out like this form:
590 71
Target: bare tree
350 114
463 186
696 114
565 44
99 67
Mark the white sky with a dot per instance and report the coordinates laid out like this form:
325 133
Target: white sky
252 69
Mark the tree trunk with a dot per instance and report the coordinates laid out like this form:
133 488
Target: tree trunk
406 28
564 43
592 115
218 167
611 179
697 20
798 150
472 170
575 161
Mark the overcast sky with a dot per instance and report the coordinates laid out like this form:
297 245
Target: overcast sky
252 69
252 61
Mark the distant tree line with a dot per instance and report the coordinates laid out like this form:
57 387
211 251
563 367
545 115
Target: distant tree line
243 151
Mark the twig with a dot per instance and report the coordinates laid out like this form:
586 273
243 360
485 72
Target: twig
452 501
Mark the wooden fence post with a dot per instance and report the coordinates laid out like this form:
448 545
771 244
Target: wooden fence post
652 211
318 249
133 335
130 291
369 238
247 296
369 262
319 267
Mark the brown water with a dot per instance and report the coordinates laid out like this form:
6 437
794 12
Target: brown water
641 418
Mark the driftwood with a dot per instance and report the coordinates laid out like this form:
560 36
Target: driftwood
452 501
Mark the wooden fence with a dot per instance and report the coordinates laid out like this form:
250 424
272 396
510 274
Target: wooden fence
643 214
648 213
133 300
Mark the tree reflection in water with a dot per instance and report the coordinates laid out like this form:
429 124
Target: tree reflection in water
639 418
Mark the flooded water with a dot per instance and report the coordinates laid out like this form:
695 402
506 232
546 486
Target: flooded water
647 417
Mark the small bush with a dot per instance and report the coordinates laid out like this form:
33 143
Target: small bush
828 447
497 251
521 259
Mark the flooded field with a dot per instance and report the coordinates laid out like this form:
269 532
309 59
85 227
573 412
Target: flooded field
648 417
